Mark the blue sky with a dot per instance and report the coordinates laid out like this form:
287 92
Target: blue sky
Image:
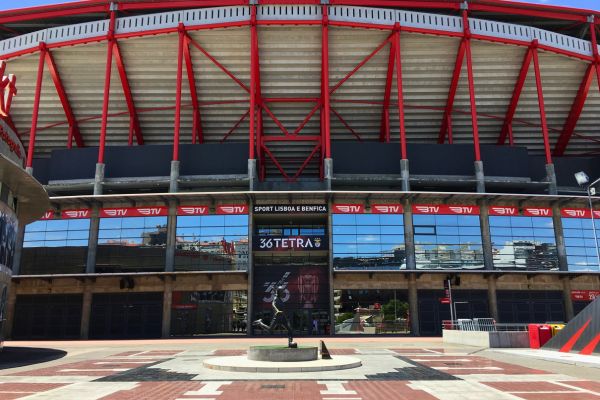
588 4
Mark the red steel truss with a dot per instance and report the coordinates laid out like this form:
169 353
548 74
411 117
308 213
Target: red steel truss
258 142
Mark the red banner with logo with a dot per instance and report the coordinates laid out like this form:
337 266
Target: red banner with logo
579 213
76 214
154 211
584 295
537 212
192 210
348 209
387 209
445 209
503 211
47 215
232 209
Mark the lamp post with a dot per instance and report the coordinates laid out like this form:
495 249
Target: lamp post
583 181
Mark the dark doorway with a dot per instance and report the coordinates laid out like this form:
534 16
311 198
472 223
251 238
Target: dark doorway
470 304
55 316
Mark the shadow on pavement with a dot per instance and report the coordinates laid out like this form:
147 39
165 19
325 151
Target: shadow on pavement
13 357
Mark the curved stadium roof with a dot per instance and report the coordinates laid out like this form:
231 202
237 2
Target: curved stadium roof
503 38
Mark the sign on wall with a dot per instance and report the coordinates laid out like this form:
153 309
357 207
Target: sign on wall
232 209
289 208
289 243
585 295
154 211
192 210
445 209
387 209
579 213
348 209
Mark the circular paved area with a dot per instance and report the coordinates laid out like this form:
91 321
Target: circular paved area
243 364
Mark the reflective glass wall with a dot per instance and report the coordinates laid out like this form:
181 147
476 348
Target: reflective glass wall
448 241
579 243
56 246
523 243
368 241
131 244
212 243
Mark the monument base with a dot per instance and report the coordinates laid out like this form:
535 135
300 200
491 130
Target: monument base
283 353
243 364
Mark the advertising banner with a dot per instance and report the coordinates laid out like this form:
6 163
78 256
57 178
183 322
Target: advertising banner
579 213
154 211
585 295
290 209
445 209
192 210
289 243
232 209
387 209
348 209
306 287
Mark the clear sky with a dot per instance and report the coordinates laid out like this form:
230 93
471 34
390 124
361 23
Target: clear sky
588 4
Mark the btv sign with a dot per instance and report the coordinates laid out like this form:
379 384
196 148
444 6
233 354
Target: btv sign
287 243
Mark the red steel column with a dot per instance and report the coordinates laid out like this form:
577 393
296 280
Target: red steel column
396 44
107 75
596 56
177 123
471 86
325 79
36 105
253 55
540 94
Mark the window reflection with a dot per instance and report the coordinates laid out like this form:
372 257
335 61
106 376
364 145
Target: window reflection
131 244
55 247
523 243
448 242
368 241
579 243
212 242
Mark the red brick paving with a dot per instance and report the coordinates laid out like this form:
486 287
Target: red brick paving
526 386
126 353
229 352
342 352
587 385
155 390
378 390
476 363
25 389
558 396
271 390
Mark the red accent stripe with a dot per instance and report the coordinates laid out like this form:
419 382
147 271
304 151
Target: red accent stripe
587 350
569 345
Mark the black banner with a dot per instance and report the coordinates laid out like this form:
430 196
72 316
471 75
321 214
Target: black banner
289 243
290 209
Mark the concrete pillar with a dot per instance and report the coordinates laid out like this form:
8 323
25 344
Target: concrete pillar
413 305
167 302
99 179
171 237
484 222
479 177
409 239
404 175
90 266
250 288
560 239
252 175
332 319
86 310
16 268
328 172
174 179
551 179
10 310
492 297
569 310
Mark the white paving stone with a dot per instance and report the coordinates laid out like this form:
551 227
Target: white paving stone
83 390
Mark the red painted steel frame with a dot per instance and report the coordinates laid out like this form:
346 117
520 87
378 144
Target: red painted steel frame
197 135
325 85
384 135
134 123
64 100
253 66
447 120
471 82
107 75
540 93
177 124
512 107
396 44
36 106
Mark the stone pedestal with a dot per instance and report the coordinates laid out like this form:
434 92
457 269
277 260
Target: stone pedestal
282 354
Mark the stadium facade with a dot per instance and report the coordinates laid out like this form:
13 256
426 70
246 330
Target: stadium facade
359 152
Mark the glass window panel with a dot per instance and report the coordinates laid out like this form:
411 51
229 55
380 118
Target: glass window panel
392 230
574 223
78 234
344 239
499 221
343 219
110 223
212 231
501 231
372 229
469 230
132 222
446 220
57 225
344 229
79 224
521 222
392 239
213 220
425 239
423 219
76 243
468 220
37 226
527 232
424 230
368 239
573 233
542 222
447 230
56 235
184 221
236 230
392 219
34 236
367 219
236 220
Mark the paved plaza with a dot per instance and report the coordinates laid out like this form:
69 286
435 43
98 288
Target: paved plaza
392 368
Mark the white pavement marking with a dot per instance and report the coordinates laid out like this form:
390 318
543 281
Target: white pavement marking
576 388
46 379
517 378
335 387
549 355
460 390
83 390
470 368
446 360
342 398
122 362
94 369
433 351
209 389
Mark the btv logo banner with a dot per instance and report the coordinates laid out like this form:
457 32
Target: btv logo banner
579 213
348 209
156 211
445 209
289 243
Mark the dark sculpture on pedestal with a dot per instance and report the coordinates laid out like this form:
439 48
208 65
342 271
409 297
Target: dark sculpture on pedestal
279 318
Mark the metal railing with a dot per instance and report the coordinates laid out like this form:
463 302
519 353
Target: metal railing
482 325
